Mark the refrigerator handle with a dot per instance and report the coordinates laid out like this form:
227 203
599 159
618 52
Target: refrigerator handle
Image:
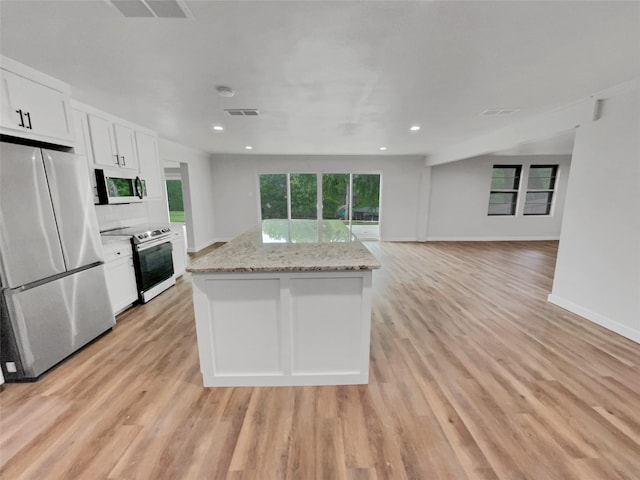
21 124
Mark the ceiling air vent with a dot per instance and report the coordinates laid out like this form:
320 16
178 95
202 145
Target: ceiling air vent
242 112
490 112
152 8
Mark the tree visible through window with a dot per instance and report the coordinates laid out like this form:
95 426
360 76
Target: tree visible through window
273 196
174 198
352 198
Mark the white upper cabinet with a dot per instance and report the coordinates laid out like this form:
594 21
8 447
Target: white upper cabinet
34 110
149 164
113 144
126 146
102 142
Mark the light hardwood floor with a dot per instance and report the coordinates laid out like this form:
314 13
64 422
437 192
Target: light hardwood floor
473 376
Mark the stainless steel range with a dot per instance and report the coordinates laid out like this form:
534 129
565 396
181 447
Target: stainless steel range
152 258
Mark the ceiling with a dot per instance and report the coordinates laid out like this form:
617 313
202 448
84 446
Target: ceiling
329 77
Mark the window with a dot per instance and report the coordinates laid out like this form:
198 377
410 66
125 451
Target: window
505 182
274 201
540 188
335 196
304 195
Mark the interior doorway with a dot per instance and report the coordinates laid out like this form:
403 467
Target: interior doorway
176 176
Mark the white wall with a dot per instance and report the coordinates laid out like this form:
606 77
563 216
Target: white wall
460 198
197 191
598 265
236 191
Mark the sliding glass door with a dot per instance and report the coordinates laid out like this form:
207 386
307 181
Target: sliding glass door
365 206
352 198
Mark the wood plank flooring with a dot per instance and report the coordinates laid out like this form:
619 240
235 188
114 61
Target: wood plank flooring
473 376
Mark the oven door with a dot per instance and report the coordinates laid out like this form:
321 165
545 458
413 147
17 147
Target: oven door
154 263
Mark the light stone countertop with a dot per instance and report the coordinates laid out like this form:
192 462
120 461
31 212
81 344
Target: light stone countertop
275 246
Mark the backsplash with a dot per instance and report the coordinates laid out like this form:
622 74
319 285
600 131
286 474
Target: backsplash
114 216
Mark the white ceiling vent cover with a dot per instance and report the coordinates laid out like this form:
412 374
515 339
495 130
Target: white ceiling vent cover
152 8
245 112
489 112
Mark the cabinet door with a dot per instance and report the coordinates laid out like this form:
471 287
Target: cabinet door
34 110
149 164
179 256
121 283
102 142
126 147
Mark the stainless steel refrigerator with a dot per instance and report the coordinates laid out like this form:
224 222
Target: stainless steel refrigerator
54 293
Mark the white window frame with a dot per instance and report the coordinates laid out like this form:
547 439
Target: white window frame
522 190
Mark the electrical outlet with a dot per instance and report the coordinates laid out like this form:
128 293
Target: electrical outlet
11 367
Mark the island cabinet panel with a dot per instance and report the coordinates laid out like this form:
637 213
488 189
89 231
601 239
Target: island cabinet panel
283 328
246 333
326 334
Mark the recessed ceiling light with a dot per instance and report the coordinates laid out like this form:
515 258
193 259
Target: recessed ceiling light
248 147
415 128
383 148
218 128
224 91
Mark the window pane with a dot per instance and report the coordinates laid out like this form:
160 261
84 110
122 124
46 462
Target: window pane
273 196
502 203
542 177
538 203
335 196
304 195
505 177
366 198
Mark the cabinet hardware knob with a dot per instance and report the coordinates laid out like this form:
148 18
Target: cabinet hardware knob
123 162
117 159
28 115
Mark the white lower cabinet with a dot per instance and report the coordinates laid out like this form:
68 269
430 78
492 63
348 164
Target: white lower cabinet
179 254
121 277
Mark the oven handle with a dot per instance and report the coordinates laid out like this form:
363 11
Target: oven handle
154 243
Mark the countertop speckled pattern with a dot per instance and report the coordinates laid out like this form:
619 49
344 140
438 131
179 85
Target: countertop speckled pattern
248 253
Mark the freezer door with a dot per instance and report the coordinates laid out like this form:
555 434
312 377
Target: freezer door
73 205
53 320
29 245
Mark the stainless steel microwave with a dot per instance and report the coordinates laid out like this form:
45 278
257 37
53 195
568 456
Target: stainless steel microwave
119 188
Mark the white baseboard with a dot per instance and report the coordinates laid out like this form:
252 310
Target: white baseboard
490 239
595 317
399 239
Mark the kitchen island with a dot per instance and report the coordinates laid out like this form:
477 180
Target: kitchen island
285 303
